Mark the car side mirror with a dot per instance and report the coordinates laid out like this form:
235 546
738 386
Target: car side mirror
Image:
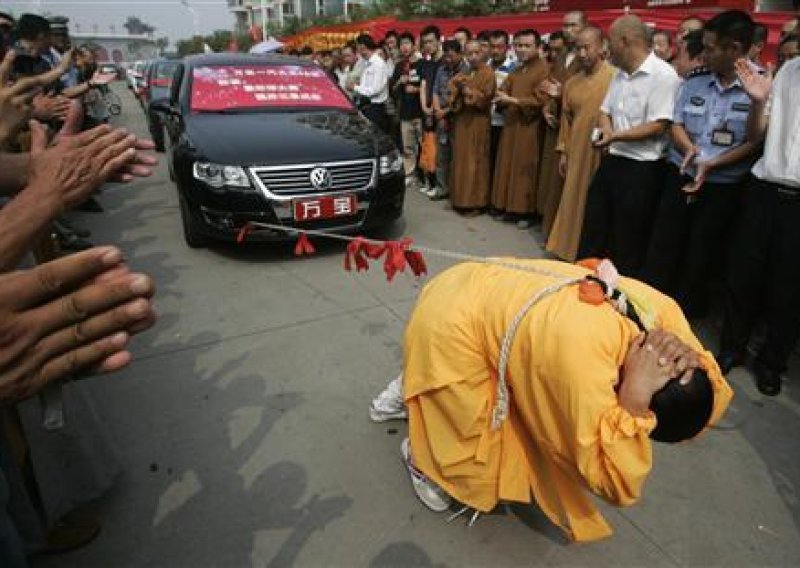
162 105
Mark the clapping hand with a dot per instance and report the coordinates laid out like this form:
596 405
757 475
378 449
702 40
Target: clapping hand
76 165
551 87
71 315
703 169
502 98
756 85
141 165
17 99
689 158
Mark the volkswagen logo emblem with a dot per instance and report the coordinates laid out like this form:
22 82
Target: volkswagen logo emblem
321 179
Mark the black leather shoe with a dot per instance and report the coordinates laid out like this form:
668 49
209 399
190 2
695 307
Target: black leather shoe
728 361
91 205
767 380
75 244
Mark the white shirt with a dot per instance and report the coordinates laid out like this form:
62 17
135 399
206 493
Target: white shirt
343 74
646 95
374 80
781 160
500 76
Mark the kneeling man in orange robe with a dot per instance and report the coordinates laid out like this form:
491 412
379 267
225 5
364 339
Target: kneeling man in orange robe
539 380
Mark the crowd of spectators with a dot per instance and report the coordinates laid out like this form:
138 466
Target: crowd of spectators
67 309
675 154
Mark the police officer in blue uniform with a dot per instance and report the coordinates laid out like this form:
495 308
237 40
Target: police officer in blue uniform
709 158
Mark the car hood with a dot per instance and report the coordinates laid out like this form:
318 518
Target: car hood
271 138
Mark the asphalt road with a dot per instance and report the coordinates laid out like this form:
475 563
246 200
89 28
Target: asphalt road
244 435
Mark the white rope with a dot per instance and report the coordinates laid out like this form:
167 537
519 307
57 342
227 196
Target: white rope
500 411
426 250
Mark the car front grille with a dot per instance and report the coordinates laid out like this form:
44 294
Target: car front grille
295 180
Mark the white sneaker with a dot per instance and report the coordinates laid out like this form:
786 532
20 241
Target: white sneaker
431 495
436 193
424 188
389 405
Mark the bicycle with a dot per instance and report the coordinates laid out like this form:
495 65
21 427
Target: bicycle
111 99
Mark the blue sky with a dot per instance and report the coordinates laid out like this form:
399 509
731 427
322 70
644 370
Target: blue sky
168 16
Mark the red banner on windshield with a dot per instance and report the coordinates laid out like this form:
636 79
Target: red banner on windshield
224 87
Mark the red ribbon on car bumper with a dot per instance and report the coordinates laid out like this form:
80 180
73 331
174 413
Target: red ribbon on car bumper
246 229
398 254
303 246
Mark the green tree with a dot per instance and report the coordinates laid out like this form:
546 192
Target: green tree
244 41
293 25
162 43
190 46
135 26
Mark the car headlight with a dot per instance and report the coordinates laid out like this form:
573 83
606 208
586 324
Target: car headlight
391 163
216 175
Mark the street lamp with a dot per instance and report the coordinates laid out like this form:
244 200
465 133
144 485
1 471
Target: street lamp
195 16
263 20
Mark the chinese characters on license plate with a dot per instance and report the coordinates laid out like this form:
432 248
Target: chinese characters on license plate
325 208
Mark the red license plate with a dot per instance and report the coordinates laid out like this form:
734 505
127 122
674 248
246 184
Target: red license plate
330 207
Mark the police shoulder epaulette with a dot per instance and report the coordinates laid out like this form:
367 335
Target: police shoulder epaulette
701 72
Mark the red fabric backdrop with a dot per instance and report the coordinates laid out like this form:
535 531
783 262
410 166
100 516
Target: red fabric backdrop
548 20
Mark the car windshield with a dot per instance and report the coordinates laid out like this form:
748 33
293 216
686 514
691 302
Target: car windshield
162 74
269 87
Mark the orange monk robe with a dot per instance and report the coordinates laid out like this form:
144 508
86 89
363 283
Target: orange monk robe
566 432
518 153
470 185
583 95
549 181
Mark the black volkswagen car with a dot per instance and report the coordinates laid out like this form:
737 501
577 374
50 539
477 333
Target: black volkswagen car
274 139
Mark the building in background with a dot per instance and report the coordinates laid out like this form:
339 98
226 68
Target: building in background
117 46
253 15
775 5
249 13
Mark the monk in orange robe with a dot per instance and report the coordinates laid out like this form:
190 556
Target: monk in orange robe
523 382
517 162
473 91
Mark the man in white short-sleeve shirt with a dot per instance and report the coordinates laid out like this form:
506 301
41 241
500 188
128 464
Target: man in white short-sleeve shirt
764 275
633 123
643 97
372 89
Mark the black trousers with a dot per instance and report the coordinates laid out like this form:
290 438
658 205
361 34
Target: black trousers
377 115
688 239
620 208
764 274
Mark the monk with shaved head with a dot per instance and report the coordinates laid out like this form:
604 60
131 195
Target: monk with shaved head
550 182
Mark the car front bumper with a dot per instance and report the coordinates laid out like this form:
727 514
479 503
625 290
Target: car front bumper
222 214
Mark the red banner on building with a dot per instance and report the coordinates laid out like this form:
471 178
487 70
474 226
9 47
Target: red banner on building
566 5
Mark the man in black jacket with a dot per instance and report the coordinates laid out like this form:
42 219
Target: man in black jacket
405 87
